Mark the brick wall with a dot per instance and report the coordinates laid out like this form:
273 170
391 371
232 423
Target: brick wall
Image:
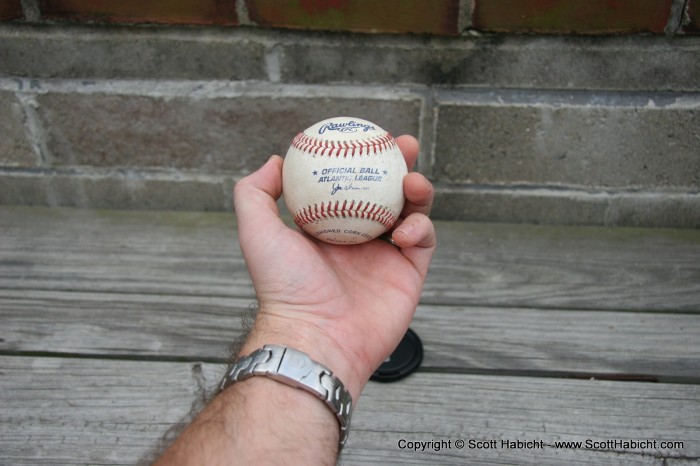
436 17
98 109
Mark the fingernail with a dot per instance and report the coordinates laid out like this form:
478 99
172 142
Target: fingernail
405 230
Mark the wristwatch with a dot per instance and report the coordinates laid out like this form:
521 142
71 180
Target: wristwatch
295 368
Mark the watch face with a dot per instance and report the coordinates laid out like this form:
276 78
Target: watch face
405 359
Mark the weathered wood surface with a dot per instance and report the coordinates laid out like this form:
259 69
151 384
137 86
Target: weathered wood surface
82 411
123 304
652 345
487 408
567 267
476 264
125 252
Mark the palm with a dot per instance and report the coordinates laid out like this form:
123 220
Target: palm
365 292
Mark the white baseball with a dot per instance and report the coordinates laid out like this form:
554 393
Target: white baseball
343 180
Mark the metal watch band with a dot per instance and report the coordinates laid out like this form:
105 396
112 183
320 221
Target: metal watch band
297 369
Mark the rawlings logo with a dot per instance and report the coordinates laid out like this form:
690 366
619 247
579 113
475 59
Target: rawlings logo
349 127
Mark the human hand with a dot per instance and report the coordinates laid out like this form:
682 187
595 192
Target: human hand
346 306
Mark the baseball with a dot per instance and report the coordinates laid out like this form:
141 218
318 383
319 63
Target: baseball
342 180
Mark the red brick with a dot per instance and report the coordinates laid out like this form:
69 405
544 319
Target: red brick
694 12
394 16
222 12
572 16
10 9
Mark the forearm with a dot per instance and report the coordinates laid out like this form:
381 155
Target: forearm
258 421
263 421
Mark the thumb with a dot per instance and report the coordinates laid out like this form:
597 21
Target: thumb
255 198
416 238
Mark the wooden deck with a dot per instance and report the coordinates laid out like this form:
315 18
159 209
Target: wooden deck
112 324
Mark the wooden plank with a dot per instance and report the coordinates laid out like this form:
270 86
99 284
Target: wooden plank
156 326
612 344
83 411
600 343
566 267
181 253
476 264
490 408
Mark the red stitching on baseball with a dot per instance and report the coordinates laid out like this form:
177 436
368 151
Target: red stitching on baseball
330 210
373 146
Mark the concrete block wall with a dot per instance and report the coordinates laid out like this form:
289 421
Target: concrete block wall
543 128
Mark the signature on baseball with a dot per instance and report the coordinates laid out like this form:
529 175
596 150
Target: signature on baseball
348 127
348 187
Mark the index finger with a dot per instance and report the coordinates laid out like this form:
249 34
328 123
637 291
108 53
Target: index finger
417 189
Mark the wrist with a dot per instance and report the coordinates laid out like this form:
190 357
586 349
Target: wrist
272 330
296 369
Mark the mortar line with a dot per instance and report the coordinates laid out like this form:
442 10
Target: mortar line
426 135
31 10
208 89
273 60
528 97
677 17
466 95
34 129
243 14
170 174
